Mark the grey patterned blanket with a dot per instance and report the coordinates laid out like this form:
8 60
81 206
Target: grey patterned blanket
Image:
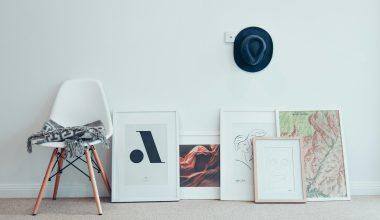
75 138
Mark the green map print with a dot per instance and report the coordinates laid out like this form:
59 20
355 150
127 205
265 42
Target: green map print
323 150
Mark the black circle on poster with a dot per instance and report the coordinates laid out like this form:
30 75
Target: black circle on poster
136 156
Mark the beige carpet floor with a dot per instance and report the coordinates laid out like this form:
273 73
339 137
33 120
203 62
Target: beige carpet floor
360 208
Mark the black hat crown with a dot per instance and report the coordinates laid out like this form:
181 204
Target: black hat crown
253 49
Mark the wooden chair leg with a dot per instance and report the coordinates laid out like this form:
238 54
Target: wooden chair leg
44 182
93 182
102 170
58 176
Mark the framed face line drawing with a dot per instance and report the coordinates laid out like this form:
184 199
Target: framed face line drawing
238 127
278 170
145 163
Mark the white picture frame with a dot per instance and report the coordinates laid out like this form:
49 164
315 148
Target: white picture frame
193 140
306 146
238 126
145 156
278 170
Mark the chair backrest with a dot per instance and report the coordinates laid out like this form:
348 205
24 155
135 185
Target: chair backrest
79 102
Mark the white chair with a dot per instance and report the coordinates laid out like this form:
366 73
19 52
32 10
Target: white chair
78 102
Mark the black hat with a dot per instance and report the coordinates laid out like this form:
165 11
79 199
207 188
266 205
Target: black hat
253 49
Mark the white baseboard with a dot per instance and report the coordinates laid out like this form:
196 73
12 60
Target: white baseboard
84 190
31 190
363 188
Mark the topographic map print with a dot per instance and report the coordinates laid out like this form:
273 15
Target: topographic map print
323 150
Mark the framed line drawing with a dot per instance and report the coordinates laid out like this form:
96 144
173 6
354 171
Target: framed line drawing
326 173
145 156
199 156
278 170
238 127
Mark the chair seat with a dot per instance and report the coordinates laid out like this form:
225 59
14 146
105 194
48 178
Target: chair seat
61 144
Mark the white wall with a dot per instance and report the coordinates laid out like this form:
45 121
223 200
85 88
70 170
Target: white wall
171 53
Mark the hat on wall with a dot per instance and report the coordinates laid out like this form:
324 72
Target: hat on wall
253 49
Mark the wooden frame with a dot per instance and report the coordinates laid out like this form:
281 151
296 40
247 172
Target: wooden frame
277 192
237 127
312 196
139 178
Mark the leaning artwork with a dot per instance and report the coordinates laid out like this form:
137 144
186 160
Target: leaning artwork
238 128
200 165
324 160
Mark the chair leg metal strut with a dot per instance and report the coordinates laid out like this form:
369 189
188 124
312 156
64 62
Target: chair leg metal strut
91 165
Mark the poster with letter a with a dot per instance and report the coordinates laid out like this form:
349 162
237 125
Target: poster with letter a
145 156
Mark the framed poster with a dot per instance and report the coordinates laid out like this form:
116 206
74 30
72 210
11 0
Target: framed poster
278 170
324 159
238 127
199 165
145 156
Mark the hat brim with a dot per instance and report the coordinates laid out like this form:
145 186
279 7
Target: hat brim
267 57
